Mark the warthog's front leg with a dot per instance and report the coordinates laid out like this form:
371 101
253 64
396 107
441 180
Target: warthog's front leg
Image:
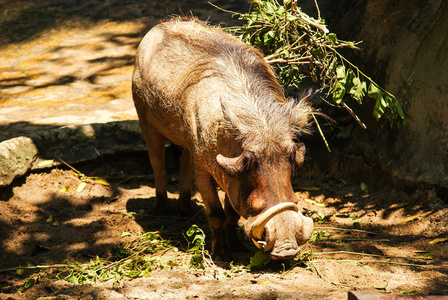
215 214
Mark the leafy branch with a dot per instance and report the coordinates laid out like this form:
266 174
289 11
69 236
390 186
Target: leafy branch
133 259
201 258
300 47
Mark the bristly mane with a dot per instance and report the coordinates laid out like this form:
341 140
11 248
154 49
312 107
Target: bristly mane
268 126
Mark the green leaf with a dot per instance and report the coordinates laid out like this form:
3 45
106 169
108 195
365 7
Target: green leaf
192 230
273 26
354 216
124 234
266 37
358 89
332 38
378 111
72 279
340 73
81 186
427 255
408 293
374 91
317 236
331 67
270 8
349 77
291 17
318 53
194 249
28 284
338 92
364 187
198 240
399 109
133 274
260 259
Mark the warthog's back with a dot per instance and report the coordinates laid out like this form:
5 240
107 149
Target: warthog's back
185 70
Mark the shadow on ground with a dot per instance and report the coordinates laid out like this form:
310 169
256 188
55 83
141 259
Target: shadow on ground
25 19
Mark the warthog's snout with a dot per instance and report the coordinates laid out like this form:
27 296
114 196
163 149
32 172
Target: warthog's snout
280 230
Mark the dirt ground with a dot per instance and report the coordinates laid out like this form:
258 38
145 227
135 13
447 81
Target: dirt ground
68 55
90 223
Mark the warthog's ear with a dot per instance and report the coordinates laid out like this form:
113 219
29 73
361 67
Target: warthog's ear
299 154
236 165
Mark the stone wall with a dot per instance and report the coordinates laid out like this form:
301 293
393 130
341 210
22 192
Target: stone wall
406 51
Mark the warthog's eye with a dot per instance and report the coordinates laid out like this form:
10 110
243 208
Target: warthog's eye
298 155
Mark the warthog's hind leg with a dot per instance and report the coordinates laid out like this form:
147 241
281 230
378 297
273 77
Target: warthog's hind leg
155 142
185 182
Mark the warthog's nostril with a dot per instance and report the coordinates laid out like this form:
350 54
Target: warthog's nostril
288 250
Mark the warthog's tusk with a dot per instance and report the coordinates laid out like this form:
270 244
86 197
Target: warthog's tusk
259 244
259 223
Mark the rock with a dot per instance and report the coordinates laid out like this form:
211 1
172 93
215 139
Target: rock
16 157
381 296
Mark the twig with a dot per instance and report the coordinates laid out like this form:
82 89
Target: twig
272 56
297 48
34 267
347 229
225 10
312 23
62 161
325 278
317 8
321 133
371 261
119 177
356 240
347 108
368 254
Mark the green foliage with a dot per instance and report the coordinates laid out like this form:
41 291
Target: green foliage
319 235
198 260
28 284
299 47
132 259
259 260
322 217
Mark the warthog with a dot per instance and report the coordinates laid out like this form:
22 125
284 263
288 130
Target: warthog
214 96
